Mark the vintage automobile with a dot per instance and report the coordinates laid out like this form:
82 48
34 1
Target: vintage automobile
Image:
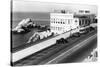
61 41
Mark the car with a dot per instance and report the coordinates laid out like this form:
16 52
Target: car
92 28
61 41
77 34
83 31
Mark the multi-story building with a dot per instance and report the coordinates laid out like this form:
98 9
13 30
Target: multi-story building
63 22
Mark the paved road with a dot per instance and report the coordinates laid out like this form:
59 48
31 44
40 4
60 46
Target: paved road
73 50
29 61
81 54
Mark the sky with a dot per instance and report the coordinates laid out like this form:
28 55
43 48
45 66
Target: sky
33 6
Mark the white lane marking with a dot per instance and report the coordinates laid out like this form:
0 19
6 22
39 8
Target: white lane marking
71 50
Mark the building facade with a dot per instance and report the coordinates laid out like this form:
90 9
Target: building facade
63 22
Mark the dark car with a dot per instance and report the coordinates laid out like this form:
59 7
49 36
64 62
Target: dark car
84 31
61 41
76 34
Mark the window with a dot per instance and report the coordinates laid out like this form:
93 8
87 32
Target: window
63 22
82 22
76 21
81 11
68 21
56 28
87 11
54 19
85 22
79 22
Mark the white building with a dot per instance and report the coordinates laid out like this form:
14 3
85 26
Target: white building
63 22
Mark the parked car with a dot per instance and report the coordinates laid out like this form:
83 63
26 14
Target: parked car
61 41
77 34
83 31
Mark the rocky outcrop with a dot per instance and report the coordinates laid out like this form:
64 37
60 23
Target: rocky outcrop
24 25
40 35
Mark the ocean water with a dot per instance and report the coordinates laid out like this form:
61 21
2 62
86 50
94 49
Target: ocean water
38 18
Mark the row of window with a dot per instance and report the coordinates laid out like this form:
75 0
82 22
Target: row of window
84 23
58 22
84 11
57 28
63 20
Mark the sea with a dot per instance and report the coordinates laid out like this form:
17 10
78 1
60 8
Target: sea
37 17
